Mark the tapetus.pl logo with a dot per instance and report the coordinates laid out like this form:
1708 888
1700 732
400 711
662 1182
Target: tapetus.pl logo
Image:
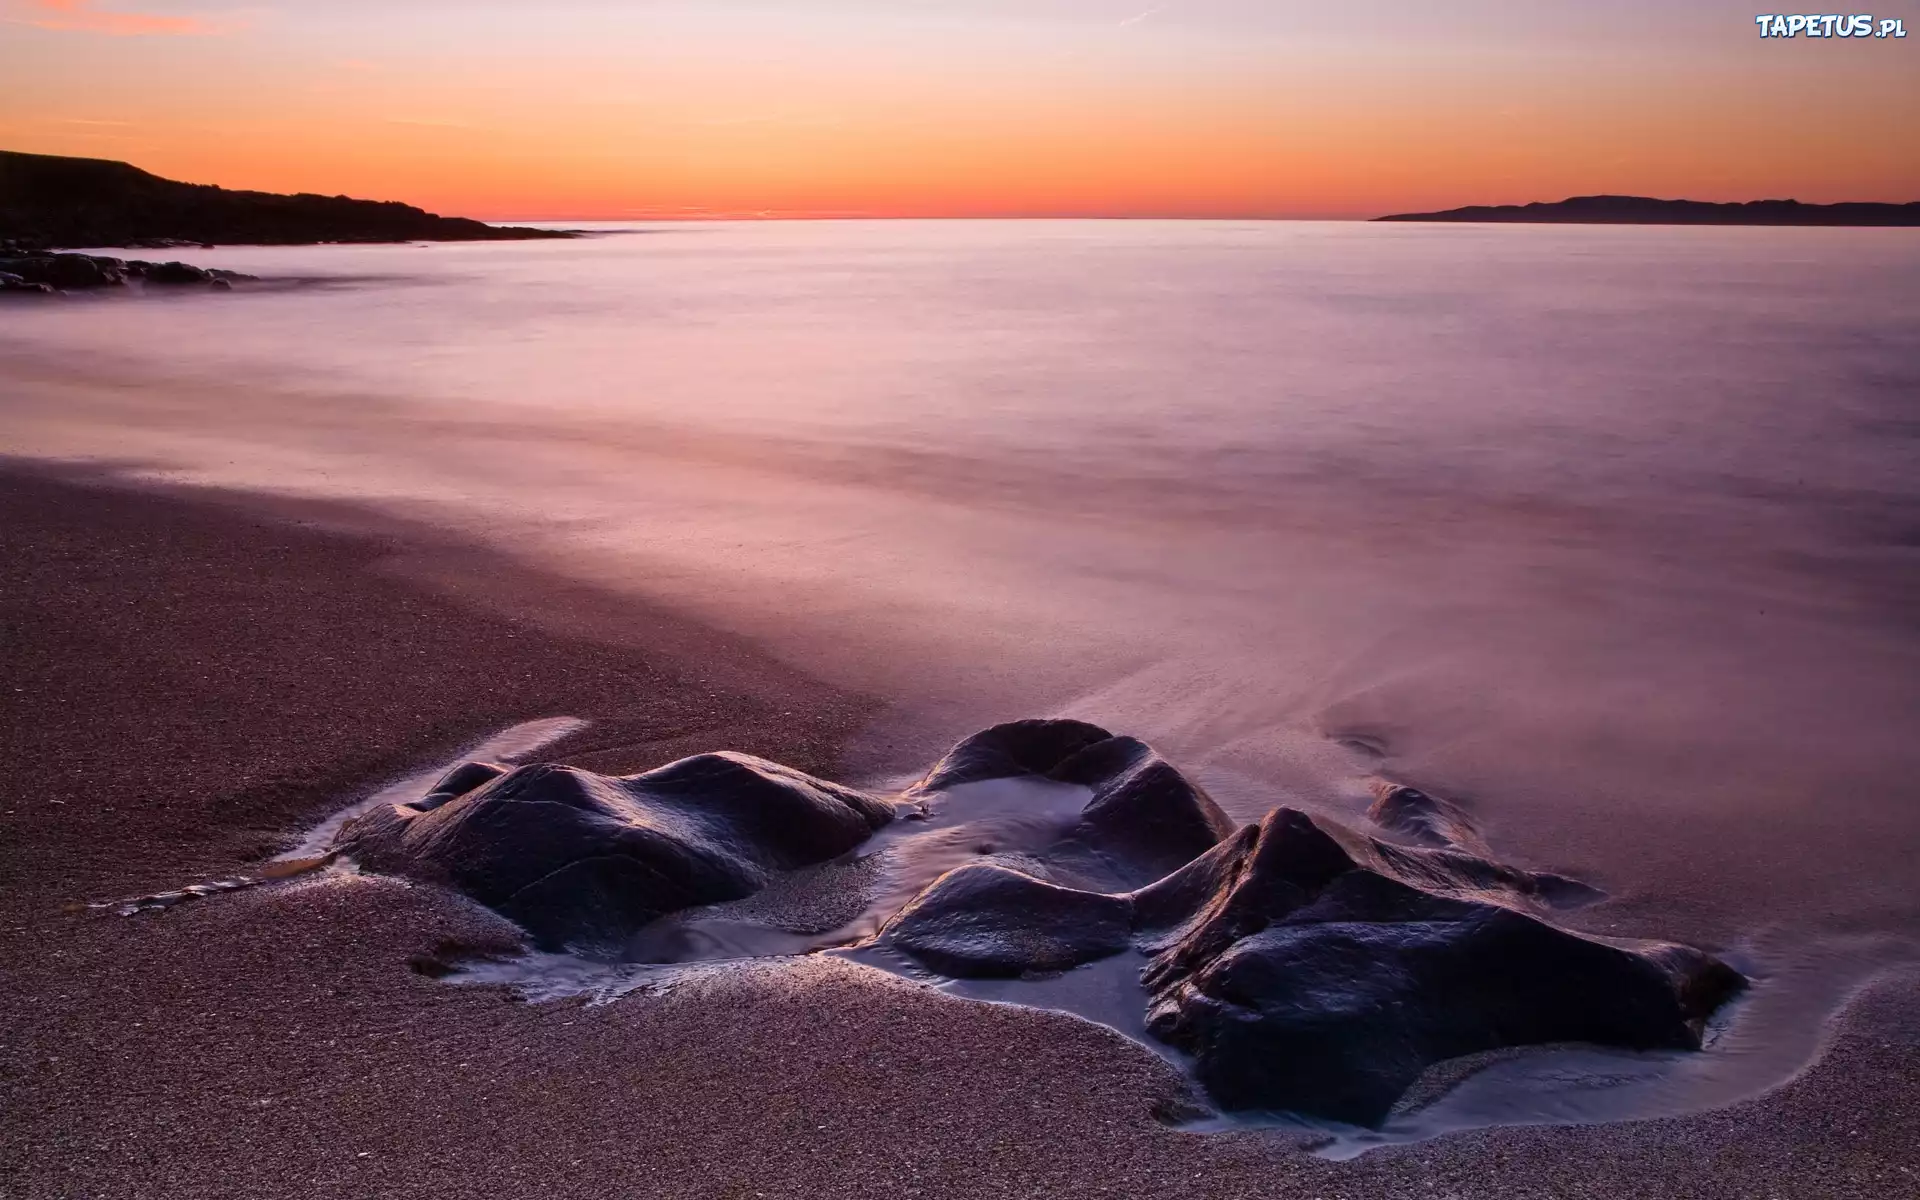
1825 25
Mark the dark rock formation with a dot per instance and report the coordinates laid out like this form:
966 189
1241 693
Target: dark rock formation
1144 819
1425 819
1641 210
66 270
1010 750
1311 969
1145 816
984 922
1442 824
1305 966
177 273
16 285
47 272
48 201
1323 971
583 859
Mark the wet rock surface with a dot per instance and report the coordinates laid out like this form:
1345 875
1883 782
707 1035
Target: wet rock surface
1323 971
1143 820
1428 820
580 859
45 272
1305 966
984 922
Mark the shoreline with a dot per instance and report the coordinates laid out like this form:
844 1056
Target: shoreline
404 580
239 663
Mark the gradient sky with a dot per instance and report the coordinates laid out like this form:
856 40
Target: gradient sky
595 109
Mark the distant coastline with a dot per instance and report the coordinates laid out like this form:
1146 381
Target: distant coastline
49 201
1643 210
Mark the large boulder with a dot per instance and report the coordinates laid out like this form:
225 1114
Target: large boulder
1309 968
586 860
1146 818
1034 747
1319 971
1143 817
984 921
1305 966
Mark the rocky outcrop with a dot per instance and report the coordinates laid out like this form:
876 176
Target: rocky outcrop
579 859
1442 824
987 922
177 274
1144 818
1421 818
48 201
1304 965
43 273
16 285
1312 969
65 271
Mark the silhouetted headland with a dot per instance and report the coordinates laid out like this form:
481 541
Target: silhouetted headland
48 200
1643 210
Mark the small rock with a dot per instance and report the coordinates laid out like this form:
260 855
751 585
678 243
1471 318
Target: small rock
176 273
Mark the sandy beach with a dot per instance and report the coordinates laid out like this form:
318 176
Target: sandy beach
191 680
732 600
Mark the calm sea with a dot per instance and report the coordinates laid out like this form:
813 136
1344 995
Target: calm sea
1612 532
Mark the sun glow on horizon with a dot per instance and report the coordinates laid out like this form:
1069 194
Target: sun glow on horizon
967 108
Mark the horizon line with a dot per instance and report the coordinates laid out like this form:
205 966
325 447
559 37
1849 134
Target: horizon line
748 218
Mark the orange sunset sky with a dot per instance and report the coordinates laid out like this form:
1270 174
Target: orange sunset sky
591 109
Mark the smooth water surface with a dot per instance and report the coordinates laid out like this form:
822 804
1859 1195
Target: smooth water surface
1611 533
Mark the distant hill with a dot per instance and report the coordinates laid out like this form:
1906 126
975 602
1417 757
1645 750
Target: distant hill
1640 210
47 201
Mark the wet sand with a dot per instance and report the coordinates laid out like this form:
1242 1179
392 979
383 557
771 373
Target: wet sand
189 682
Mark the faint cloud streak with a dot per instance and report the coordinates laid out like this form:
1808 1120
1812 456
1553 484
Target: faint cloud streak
428 123
788 119
82 16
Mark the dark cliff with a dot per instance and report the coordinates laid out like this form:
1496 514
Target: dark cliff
47 200
1641 210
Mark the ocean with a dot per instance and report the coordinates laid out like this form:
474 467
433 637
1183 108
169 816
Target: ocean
1612 533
